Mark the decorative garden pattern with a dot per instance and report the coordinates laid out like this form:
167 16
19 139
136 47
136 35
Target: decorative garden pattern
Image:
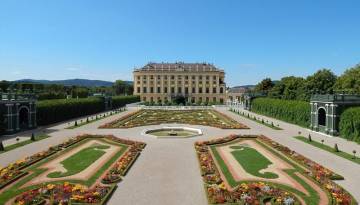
82 170
194 117
257 170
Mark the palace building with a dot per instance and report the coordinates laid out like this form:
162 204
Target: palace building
194 82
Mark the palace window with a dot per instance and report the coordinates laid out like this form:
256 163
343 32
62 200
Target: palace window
138 89
144 89
214 90
158 89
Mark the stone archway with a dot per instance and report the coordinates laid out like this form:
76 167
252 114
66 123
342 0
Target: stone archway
322 116
24 118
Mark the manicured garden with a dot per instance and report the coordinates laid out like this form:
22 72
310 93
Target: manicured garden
226 182
194 117
84 169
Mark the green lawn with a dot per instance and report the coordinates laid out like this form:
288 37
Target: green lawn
342 154
258 121
18 188
23 143
253 161
80 161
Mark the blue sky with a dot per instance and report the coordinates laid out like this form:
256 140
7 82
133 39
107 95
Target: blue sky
251 40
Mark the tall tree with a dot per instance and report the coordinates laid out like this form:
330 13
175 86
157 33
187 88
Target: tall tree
321 82
264 86
349 82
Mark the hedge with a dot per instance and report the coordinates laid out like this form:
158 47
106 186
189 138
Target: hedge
2 125
350 124
52 111
120 101
296 112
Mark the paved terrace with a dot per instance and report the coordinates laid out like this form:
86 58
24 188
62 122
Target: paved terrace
167 172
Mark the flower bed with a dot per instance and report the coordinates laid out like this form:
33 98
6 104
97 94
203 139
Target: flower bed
317 172
69 192
66 193
255 192
121 167
193 117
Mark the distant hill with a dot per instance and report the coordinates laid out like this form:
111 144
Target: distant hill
71 82
250 87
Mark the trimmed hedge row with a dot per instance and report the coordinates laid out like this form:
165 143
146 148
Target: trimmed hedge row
350 124
296 112
52 111
121 101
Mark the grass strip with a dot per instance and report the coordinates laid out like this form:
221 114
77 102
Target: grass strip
327 148
258 121
23 143
91 119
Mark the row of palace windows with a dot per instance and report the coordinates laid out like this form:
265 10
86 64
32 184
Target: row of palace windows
192 99
179 82
179 77
179 90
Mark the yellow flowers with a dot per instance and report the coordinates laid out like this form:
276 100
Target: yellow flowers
77 197
50 186
78 187
222 186
244 186
20 203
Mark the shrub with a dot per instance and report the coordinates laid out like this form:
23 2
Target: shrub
121 101
336 148
349 126
296 112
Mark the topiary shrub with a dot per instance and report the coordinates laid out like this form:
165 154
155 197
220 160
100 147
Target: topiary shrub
32 137
336 148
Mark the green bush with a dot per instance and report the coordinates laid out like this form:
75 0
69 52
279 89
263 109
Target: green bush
350 124
296 112
52 111
121 101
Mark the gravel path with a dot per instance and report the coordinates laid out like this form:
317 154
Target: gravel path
167 172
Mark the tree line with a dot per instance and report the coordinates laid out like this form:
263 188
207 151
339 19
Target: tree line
58 91
324 81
